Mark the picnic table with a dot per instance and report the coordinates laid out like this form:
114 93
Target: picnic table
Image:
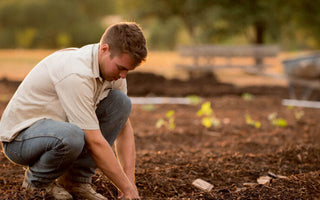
203 57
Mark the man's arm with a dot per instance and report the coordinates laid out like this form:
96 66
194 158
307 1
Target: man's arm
106 160
126 152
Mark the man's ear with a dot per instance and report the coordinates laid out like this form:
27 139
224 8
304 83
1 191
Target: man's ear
104 48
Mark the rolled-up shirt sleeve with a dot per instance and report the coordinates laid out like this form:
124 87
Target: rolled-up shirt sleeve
76 94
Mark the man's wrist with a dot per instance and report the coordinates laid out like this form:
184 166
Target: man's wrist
131 176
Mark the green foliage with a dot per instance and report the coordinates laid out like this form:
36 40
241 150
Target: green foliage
291 24
163 35
251 122
25 38
194 99
168 121
297 113
51 23
63 40
58 23
280 122
208 117
148 107
205 109
247 96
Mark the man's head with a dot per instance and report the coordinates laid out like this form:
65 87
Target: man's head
126 37
122 48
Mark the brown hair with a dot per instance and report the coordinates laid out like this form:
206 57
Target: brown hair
126 37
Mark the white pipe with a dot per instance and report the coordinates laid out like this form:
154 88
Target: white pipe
301 103
159 100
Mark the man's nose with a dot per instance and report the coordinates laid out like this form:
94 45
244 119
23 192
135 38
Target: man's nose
123 73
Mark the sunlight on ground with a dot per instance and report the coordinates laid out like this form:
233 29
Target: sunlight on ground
15 65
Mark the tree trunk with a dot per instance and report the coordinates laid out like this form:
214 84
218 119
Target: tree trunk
260 31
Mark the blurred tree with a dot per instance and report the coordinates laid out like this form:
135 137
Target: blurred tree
160 30
213 21
301 19
58 23
259 15
95 9
192 14
216 21
51 23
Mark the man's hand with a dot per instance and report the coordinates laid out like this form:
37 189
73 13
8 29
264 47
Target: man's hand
122 196
106 160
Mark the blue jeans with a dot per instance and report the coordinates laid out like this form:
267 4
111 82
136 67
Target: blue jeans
54 148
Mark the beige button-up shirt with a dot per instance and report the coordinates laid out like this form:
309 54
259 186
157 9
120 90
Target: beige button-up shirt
65 86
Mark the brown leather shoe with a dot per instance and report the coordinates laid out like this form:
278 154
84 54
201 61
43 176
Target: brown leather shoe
54 189
81 190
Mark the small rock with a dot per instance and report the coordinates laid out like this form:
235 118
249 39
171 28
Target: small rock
263 179
203 185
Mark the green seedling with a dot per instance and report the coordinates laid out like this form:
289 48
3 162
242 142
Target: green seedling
167 121
247 96
251 122
209 119
298 114
148 107
280 122
194 99
205 109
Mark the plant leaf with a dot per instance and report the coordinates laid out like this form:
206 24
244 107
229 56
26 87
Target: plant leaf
247 96
194 99
207 122
170 113
160 122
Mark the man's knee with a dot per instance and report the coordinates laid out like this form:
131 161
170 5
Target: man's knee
122 100
115 102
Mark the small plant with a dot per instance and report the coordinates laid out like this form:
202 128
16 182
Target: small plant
194 99
247 96
148 107
298 114
167 121
251 122
209 119
280 122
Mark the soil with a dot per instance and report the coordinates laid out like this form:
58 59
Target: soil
231 156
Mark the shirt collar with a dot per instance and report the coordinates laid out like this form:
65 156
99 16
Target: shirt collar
95 61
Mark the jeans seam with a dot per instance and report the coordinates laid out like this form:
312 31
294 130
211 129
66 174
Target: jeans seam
38 136
64 154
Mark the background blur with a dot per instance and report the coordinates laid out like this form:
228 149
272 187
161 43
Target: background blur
32 29
293 25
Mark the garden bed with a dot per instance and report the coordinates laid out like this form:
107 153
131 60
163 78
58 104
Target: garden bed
231 156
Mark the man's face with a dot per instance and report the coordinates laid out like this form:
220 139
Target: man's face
112 69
